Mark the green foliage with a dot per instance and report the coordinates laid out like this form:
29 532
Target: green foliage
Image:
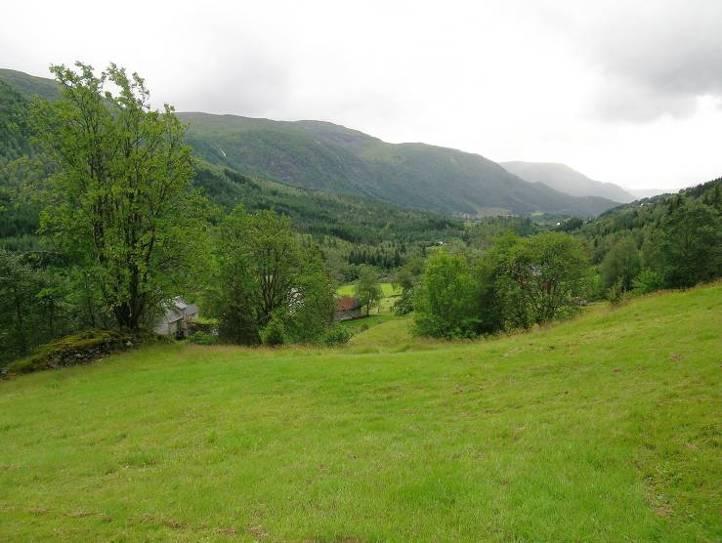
448 299
121 206
203 338
337 335
621 264
265 273
34 307
647 281
406 279
691 244
680 236
367 288
274 333
540 278
615 293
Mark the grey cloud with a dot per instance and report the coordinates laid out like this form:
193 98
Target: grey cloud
656 60
249 85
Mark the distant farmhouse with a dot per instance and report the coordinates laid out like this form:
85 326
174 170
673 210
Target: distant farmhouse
347 308
176 318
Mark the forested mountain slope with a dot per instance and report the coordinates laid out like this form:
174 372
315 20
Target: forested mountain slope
329 157
324 156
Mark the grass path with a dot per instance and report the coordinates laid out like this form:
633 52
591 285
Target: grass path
604 428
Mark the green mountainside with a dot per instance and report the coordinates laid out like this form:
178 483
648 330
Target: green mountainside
14 137
567 180
314 212
329 157
347 217
324 156
30 85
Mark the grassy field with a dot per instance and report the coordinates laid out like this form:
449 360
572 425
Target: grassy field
604 428
386 305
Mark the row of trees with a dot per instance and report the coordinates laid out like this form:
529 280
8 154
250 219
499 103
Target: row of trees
517 283
680 249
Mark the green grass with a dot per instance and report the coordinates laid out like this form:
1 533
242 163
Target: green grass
387 289
360 325
604 428
386 305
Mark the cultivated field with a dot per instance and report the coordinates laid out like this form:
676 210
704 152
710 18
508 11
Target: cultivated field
604 428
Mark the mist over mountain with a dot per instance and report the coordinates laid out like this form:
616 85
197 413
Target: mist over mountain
648 193
565 179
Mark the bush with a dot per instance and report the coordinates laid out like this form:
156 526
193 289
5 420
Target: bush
615 293
647 281
448 299
338 335
206 326
74 349
203 338
274 333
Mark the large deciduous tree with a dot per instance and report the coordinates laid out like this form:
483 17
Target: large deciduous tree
267 279
540 278
121 203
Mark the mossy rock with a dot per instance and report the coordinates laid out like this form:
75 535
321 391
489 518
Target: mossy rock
74 349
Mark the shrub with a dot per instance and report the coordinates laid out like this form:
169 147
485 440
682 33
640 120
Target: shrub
207 326
647 281
203 338
338 335
615 293
274 333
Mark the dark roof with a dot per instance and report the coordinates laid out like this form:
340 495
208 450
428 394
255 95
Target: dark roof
347 303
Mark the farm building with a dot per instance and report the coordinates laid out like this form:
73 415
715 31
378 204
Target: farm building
347 308
177 315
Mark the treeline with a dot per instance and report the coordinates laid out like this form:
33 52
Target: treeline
503 281
516 283
671 241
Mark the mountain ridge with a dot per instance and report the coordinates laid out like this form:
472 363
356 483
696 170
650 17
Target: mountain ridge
322 155
327 156
566 179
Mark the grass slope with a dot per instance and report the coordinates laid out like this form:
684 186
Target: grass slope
604 428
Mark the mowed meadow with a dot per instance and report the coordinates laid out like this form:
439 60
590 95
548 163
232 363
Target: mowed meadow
602 428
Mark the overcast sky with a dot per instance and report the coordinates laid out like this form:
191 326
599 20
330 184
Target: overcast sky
624 91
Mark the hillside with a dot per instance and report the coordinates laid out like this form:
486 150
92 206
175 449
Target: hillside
30 85
348 217
314 212
323 156
564 179
604 428
329 157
